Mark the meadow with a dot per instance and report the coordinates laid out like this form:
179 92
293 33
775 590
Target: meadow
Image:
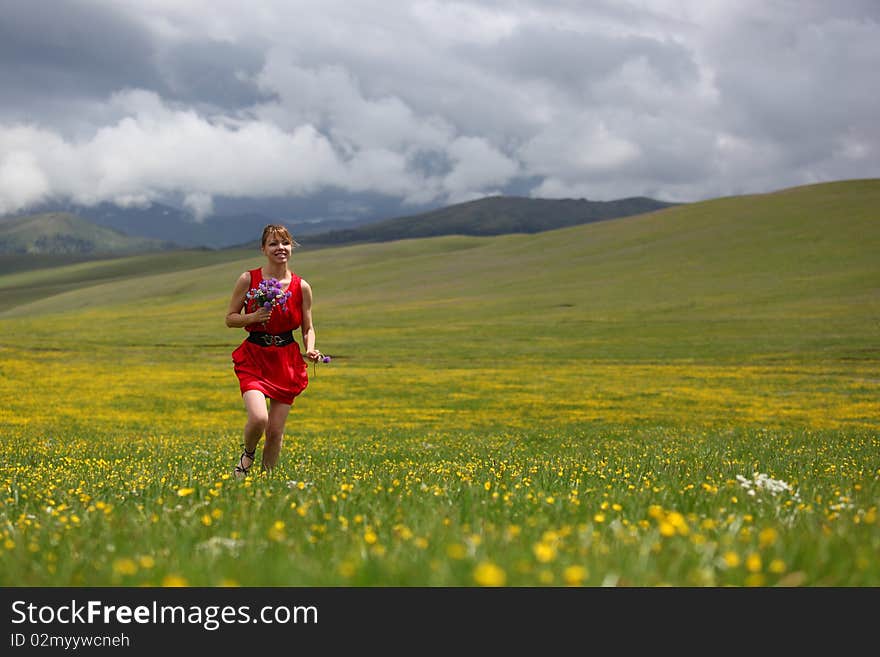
685 398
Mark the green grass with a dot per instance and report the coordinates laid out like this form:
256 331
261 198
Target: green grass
26 285
571 407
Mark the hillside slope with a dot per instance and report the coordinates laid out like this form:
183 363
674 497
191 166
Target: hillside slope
63 233
791 274
495 215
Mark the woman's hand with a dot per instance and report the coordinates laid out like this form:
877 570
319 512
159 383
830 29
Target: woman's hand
261 315
314 355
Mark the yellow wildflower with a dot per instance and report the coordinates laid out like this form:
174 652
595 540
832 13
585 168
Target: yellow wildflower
731 559
544 552
488 574
753 563
125 566
456 551
767 537
667 529
172 580
575 575
777 566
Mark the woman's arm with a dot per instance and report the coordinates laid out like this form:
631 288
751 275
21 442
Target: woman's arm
307 326
235 317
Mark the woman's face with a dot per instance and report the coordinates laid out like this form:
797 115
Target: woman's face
277 249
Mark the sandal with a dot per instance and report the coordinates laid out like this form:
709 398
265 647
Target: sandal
240 470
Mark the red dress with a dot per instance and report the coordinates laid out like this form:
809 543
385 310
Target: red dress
280 373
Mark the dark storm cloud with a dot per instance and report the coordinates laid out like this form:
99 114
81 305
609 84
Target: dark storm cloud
783 80
69 50
808 89
57 55
214 73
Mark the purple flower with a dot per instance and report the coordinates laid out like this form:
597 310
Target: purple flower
325 359
269 294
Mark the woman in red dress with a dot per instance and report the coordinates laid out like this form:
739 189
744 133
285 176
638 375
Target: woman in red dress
268 362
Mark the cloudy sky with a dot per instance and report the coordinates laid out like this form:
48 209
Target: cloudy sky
430 102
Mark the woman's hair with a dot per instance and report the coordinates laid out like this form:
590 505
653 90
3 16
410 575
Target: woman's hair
279 231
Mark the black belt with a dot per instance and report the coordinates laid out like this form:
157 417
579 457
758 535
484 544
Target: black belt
270 339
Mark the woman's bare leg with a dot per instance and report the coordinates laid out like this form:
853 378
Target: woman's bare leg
257 421
274 433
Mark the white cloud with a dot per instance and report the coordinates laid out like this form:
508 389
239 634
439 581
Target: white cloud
22 182
476 166
158 150
331 96
201 205
464 22
576 148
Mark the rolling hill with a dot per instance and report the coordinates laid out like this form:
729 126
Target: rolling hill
786 275
171 226
494 215
63 233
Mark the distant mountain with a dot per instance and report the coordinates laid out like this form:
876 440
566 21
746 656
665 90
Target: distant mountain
495 215
170 224
159 224
64 233
164 223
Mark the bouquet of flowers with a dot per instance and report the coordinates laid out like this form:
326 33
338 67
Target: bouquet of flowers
268 294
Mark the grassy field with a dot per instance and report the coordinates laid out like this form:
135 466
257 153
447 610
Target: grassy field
686 398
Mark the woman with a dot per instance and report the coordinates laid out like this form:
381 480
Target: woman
268 363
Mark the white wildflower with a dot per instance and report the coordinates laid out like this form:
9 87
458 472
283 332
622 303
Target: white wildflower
218 544
843 505
762 482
